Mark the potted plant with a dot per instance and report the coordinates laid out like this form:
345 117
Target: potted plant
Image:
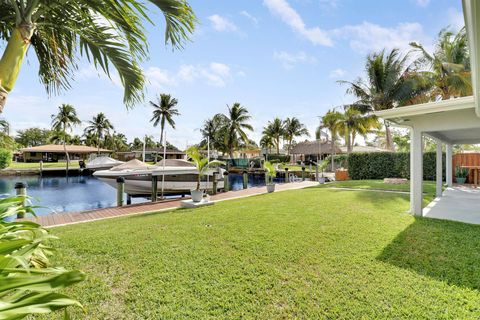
270 173
202 165
461 174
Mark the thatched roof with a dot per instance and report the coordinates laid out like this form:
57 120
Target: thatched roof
364 149
313 148
58 148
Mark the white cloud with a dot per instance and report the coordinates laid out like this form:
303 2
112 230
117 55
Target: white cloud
368 37
250 17
422 3
337 73
215 74
222 24
89 72
289 60
288 15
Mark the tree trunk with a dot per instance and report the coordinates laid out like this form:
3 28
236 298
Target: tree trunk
332 153
388 137
12 60
278 146
98 144
348 142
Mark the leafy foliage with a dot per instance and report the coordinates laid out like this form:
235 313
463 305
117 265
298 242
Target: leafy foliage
5 158
270 170
380 165
109 34
163 112
28 282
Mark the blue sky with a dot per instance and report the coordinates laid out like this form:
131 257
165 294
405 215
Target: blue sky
276 57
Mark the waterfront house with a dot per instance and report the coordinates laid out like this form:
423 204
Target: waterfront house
151 154
56 153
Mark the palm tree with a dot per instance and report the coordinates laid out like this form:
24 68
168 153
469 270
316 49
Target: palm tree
448 67
267 143
330 121
107 33
63 121
390 82
202 164
276 130
352 123
100 126
164 111
212 130
235 124
293 128
5 126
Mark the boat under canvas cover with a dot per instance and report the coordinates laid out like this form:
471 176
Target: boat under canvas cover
102 163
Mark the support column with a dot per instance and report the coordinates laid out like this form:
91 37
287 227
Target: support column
439 171
449 165
416 172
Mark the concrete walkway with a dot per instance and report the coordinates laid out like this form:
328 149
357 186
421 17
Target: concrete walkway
60 219
457 204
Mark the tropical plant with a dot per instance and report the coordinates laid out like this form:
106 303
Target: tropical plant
213 130
267 143
163 112
276 130
64 121
201 163
234 125
99 126
293 128
330 121
390 82
461 172
116 142
107 33
270 171
353 122
4 126
448 67
29 282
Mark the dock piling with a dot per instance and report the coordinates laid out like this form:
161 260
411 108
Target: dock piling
214 183
303 173
286 175
21 190
245 179
120 190
154 188
225 181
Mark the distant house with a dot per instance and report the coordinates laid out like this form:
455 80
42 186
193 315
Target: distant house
310 150
247 153
55 153
151 154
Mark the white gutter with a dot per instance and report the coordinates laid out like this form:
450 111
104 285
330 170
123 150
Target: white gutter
426 108
471 14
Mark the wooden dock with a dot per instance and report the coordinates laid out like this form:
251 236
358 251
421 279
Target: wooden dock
61 219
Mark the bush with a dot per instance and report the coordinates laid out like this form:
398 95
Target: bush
5 158
278 158
380 165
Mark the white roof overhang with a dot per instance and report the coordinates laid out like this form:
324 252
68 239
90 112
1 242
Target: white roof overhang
471 14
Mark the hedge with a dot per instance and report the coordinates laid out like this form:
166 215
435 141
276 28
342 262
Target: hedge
5 158
278 158
380 165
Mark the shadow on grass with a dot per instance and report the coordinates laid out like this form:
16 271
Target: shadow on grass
444 250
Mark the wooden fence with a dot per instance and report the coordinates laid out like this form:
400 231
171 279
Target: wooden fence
466 159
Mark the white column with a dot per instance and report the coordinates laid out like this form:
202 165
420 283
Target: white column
439 171
416 172
449 165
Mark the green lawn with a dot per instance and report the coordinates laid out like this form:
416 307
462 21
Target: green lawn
36 165
308 254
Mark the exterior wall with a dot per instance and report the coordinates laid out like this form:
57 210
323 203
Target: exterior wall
52 156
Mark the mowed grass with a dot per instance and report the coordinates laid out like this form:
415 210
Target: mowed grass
428 186
36 165
308 254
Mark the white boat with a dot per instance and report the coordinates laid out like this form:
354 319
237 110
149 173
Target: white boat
102 163
180 177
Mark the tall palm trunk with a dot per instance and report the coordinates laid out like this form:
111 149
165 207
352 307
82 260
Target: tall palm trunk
278 145
98 143
65 146
12 60
332 152
348 142
388 136
162 125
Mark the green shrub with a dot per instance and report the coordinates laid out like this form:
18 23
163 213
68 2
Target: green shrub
278 158
5 158
380 165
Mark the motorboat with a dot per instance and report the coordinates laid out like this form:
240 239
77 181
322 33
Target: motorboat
102 163
176 176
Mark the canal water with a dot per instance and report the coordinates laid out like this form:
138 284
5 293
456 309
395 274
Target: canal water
57 194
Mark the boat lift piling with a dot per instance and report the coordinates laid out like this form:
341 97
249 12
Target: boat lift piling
21 191
225 181
154 188
120 190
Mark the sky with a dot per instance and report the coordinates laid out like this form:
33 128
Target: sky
278 58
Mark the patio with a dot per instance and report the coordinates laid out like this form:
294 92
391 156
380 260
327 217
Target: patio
458 203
